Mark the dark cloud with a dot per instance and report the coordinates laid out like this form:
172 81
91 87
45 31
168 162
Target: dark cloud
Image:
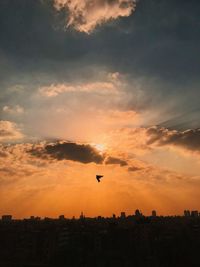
113 160
189 139
69 151
160 40
134 169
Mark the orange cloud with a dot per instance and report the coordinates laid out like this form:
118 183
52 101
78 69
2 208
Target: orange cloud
9 131
85 15
143 139
50 178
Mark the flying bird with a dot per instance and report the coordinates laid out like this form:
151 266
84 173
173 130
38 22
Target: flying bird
98 177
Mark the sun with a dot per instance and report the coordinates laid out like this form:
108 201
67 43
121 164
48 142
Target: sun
100 147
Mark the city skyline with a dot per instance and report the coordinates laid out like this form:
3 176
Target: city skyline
122 214
125 241
137 213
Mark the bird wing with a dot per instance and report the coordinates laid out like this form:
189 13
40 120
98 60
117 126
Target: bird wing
98 177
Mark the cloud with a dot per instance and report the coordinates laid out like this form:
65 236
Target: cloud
13 110
95 87
9 131
16 162
189 139
113 160
134 168
69 151
85 15
146 141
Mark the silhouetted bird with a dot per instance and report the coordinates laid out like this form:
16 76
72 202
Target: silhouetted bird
98 177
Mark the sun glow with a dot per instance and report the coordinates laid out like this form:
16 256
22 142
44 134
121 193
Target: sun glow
100 147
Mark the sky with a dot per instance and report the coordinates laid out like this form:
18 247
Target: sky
105 87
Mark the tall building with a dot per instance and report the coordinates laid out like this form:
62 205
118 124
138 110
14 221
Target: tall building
153 213
186 213
6 218
62 217
82 216
123 215
138 213
194 213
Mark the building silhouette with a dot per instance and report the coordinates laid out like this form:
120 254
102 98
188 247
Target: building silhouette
123 215
138 213
153 213
124 241
186 213
6 218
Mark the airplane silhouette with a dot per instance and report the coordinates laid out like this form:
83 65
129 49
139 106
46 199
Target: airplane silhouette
98 177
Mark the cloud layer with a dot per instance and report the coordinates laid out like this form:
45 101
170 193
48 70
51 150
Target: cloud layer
85 15
158 146
189 139
36 177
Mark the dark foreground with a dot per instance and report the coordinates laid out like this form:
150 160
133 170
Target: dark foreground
131 241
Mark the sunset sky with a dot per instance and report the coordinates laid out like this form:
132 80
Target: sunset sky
107 87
